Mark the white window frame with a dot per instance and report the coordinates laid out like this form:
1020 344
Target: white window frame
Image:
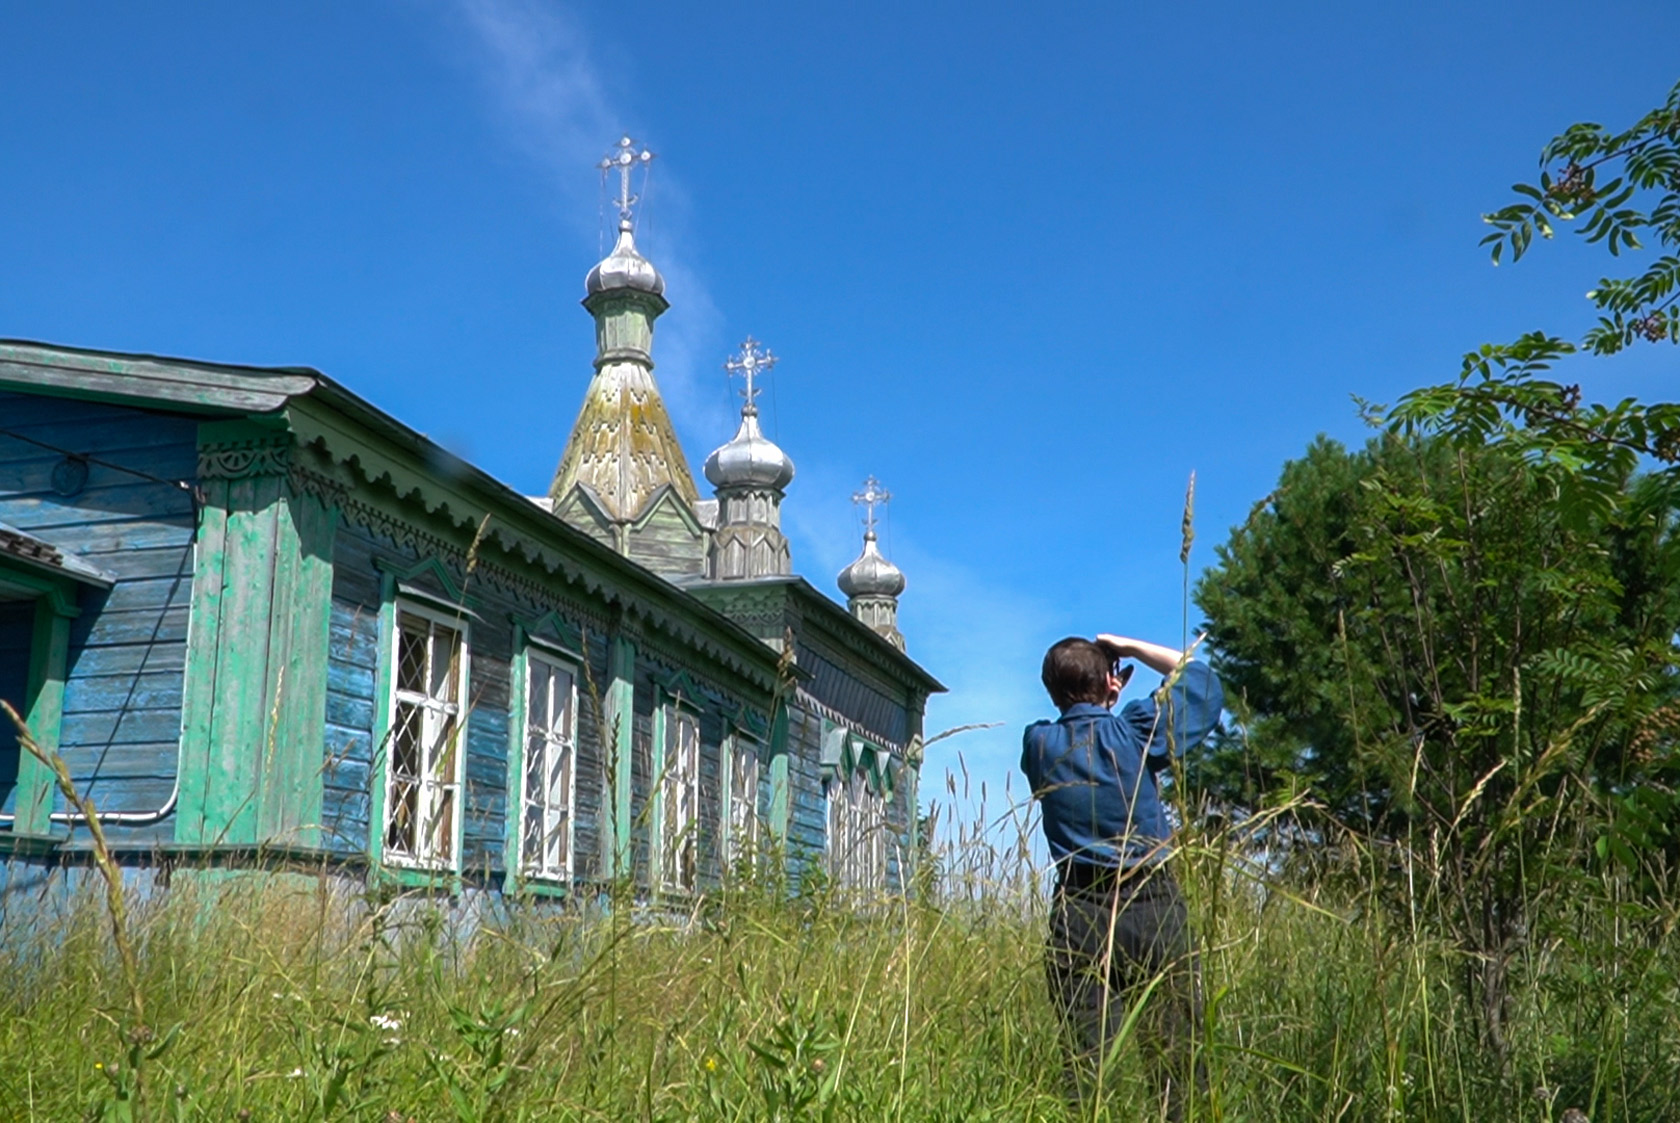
557 737
741 817
679 801
431 790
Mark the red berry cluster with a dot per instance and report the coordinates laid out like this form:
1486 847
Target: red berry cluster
1653 327
1573 183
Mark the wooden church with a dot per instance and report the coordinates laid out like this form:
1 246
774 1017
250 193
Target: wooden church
265 623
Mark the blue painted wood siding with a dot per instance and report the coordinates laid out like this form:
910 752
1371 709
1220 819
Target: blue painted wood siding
352 660
122 699
807 839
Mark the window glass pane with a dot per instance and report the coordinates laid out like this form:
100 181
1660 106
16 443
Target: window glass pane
405 742
562 841
411 654
562 789
444 750
536 712
441 835
558 764
535 748
423 748
531 838
399 835
563 690
446 654
546 824
17 642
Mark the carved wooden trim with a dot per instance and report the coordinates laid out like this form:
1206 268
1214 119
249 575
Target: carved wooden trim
241 460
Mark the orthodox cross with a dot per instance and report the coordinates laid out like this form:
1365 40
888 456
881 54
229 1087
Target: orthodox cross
752 362
872 496
624 157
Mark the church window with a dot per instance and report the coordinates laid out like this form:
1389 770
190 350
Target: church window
679 791
741 831
857 830
424 745
547 777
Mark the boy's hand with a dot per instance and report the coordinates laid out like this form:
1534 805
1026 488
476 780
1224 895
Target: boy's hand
1158 658
1118 647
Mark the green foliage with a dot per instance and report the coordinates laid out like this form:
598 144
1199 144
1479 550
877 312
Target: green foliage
1394 622
1430 641
1500 395
1643 163
1461 640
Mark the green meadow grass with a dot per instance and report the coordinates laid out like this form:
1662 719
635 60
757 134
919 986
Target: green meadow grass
286 997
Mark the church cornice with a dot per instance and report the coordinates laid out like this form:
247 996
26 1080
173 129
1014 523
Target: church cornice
807 611
390 487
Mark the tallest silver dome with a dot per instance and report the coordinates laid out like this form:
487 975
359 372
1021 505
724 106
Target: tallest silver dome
750 460
624 268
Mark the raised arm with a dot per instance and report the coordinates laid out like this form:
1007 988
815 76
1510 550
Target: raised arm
1173 718
1161 659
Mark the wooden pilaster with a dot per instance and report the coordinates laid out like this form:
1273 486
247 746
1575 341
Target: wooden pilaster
621 721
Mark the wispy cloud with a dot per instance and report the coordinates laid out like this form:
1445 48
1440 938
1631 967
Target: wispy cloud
536 62
562 111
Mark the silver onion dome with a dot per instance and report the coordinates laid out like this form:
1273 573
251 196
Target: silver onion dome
872 575
624 268
749 460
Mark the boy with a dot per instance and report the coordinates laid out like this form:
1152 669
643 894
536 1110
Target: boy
1117 920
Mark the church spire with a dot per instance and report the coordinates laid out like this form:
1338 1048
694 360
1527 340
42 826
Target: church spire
750 474
872 584
623 458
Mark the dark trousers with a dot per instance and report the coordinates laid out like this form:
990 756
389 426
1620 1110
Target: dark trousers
1111 937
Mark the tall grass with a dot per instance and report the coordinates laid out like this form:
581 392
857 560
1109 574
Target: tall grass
298 995
292 996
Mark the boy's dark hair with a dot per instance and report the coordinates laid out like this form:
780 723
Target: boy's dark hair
1077 670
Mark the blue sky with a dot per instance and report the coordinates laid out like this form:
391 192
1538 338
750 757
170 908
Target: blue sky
1030 264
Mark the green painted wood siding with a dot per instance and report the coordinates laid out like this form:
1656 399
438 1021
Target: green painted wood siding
807 836
255 708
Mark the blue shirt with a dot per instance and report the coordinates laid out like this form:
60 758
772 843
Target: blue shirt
1093 771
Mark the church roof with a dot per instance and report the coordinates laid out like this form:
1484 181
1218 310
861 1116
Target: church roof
321 411
816 607
623 446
